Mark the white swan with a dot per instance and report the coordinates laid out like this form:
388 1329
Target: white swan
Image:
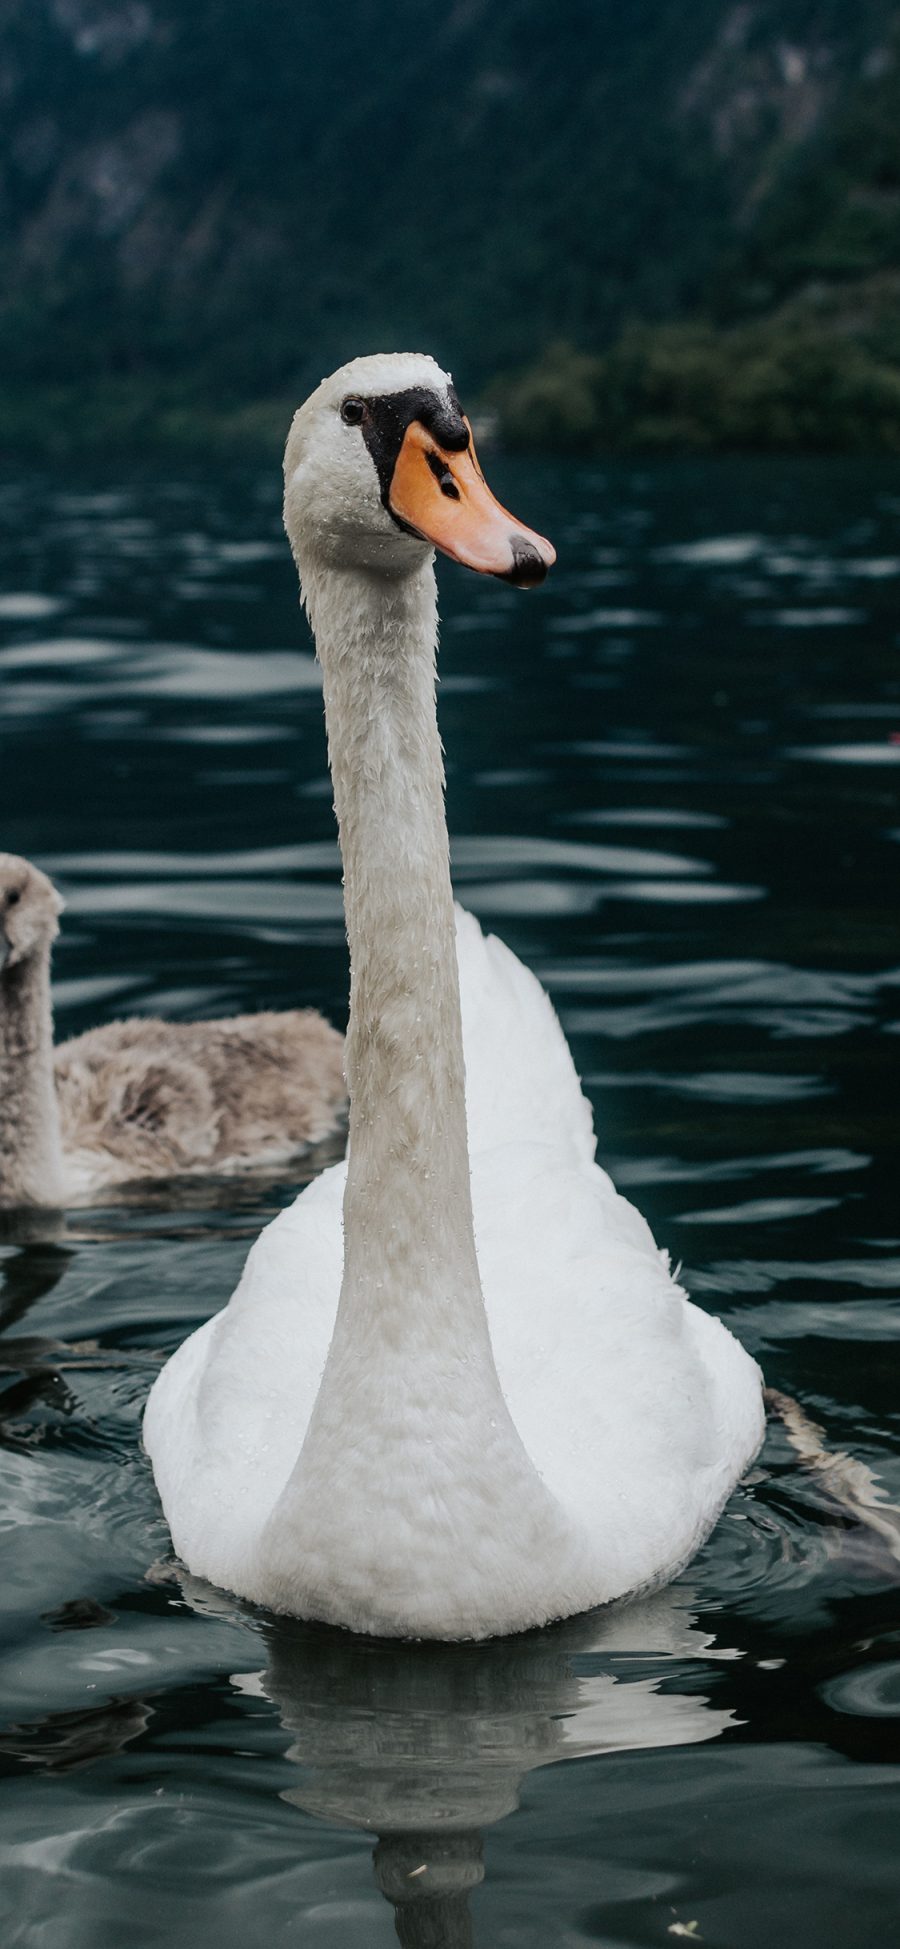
144 1099
386 1432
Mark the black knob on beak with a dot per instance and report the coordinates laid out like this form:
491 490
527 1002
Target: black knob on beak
529 568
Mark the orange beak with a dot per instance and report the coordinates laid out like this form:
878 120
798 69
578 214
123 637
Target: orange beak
445 498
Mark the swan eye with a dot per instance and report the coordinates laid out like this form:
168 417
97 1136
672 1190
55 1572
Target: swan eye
353 412
13 898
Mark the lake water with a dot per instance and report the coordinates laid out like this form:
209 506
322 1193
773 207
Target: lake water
672 787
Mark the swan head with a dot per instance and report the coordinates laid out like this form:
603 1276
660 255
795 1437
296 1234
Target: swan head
380 468
29 910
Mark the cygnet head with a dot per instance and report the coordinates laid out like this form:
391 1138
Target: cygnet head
29 910
380 467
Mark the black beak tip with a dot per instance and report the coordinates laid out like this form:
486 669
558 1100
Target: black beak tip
528 567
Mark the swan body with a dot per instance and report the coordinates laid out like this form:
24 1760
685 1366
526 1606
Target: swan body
488 1404
637 1410
143 1099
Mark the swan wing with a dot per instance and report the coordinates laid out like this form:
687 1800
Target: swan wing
521 1082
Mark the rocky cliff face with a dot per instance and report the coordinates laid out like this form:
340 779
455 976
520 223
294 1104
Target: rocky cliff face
249 189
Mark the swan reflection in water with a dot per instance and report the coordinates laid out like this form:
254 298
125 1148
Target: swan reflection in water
427 1744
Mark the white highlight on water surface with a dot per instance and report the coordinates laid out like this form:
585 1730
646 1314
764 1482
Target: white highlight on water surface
717 551
27 606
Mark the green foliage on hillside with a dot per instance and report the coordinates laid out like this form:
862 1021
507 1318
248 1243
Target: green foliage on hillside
791 382
206 203
795 341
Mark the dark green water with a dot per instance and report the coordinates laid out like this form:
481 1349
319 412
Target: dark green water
673 788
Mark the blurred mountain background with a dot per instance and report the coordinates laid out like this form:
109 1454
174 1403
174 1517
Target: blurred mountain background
647 226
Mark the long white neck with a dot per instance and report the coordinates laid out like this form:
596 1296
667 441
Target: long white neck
31 1162
413 1506
409 1253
